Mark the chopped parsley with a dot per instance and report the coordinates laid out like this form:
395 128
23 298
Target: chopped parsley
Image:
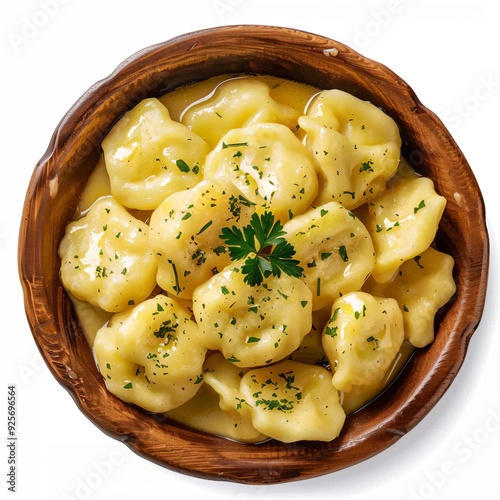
206 226
182 166
343 253
420 206
366 167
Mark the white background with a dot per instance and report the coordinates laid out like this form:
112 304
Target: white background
447 51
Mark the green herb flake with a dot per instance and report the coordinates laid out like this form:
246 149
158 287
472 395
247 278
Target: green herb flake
182 166
331 332
128 386
417 260
187 215
420 206
205 227
224 290
304 303
366 166
343 253
252 340
373 339
335 314
325 255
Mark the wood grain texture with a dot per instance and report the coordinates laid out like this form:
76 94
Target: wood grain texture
62 172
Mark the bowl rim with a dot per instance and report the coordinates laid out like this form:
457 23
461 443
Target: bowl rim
281 460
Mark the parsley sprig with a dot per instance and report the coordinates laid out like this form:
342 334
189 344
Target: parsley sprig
252 243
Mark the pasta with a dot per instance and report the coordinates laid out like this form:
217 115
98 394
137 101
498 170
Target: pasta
252 257
356 145
252 326
151 355
149 156
233 104
292 401
184 234
106 259
403 222
269 165
335 251
422 286
362 338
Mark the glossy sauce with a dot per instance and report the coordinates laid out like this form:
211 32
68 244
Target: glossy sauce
203 412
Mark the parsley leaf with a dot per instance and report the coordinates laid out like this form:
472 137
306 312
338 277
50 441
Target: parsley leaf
262 232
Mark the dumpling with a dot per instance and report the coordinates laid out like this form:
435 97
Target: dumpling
334 249
270 166
291 401
356 145
236 103
106 259
421 286
255 325
151 356
403 222
362 338
184 234
149 156
224 379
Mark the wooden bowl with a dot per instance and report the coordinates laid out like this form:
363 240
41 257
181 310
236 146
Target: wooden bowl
62 172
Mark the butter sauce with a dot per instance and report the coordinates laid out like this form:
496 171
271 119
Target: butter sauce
202 412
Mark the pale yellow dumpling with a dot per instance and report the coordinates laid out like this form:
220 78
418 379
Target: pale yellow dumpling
224 378
184 234
421 286
403 222
252 325
356 145
236 103
292 401
270 166
106 259
362 338
151 356
149 156
334 249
